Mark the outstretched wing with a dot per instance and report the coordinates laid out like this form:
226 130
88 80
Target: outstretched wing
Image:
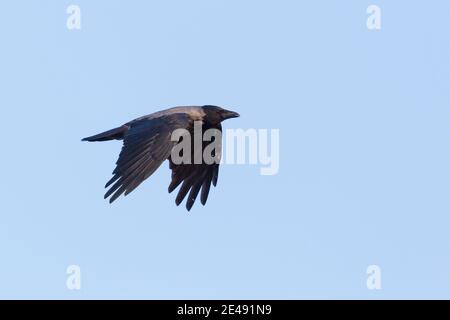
193 178
145 146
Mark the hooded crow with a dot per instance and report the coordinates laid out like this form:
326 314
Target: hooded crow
147 143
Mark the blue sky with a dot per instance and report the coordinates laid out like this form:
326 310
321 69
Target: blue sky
364 149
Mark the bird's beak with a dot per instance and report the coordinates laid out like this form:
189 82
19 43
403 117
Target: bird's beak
227 114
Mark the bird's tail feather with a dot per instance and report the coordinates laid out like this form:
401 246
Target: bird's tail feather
113 134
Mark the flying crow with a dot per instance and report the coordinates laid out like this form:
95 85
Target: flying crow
147 143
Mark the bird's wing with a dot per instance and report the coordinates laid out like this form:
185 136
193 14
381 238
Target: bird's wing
145 146
194 178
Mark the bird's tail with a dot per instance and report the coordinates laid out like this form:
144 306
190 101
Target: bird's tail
113 134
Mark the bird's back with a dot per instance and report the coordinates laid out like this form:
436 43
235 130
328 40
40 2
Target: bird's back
194 112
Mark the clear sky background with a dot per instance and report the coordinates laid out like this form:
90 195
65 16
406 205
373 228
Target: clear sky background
364 158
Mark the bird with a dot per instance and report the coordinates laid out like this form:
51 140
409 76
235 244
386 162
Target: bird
147 143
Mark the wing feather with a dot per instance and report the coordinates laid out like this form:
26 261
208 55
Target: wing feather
145 146
193 178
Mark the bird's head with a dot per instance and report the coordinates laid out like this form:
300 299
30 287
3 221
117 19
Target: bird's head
214 114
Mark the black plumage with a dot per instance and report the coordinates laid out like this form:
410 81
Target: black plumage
147 144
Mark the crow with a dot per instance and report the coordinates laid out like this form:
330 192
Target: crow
147 143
